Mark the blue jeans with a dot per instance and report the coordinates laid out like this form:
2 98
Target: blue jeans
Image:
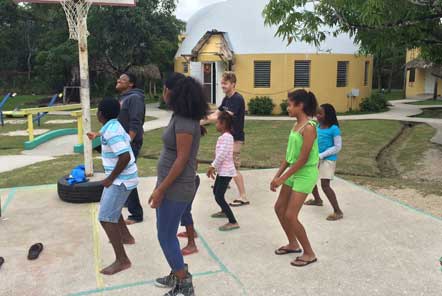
112 202
169 215
187 219
133 201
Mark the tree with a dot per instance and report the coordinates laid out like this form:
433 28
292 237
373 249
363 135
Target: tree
378 25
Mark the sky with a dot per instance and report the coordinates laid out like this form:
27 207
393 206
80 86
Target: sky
186 8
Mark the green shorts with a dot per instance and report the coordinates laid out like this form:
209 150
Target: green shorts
304 180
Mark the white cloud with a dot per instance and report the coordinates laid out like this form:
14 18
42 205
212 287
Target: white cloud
186 8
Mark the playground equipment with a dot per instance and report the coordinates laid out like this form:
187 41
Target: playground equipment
76 15
50 104
3 103
79 147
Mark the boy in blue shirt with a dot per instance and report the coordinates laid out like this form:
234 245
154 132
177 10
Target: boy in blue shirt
121 179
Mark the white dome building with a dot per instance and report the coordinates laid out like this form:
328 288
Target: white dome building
232 35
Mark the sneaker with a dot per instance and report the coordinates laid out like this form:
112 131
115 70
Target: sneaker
168 281
183 287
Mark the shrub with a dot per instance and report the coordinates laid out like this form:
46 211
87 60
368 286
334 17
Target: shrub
261 106
163 105
283 107
375 103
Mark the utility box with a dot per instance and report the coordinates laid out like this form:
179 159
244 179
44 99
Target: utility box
355 92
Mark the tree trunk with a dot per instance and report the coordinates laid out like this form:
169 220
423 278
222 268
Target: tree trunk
379 78
155 88
390 78
435 90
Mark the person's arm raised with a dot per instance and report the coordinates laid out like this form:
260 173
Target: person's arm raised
211 118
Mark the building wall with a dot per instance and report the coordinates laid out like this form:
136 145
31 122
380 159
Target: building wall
323 75
323 68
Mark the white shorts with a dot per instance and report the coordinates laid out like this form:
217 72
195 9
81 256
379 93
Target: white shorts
327 169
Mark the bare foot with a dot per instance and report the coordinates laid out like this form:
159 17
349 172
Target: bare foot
189 250
128 240
116 267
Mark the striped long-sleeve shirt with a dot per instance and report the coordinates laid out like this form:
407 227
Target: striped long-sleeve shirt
114 142
223 162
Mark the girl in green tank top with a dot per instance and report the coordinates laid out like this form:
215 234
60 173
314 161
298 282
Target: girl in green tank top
298 175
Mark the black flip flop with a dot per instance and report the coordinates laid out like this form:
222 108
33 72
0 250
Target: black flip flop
2 260
35 251
306 262
284 251
239 203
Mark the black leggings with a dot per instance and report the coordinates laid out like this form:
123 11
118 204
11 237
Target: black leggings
219 190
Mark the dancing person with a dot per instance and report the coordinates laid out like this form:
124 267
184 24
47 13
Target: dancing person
298 181
121 178
131 117
234 104
330 144
176 172
224 169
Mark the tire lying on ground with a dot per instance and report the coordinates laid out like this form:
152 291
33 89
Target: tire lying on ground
88 192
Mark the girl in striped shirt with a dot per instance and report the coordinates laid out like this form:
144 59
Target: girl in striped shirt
225 170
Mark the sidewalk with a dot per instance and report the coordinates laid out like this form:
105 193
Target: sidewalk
380 248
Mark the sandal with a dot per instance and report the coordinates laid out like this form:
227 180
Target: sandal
219 215
35 251
304 262
285 251
335 216
228 227
313 202
239 203
186 252
184 234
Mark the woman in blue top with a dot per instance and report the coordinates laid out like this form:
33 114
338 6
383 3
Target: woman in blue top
330 143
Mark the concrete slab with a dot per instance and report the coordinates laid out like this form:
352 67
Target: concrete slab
57 147
12 162
380 248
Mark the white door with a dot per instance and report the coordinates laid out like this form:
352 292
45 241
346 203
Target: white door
220 69
430 80
196 71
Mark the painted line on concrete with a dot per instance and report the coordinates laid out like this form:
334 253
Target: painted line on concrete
33 187
96 246
136 284
221 264
9 199
385 197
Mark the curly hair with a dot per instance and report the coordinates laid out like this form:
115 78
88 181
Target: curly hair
227 119
188 99
330 114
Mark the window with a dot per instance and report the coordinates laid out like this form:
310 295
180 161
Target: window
262 74
341 80
186 67
367 65
412 77
302 73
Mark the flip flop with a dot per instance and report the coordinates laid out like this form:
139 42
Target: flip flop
335 217
2 260
225 228
284 251
187 253
305 263
184 234
35 251
239 203
219 215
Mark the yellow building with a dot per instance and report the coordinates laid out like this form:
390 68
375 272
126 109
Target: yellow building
420 81
231 35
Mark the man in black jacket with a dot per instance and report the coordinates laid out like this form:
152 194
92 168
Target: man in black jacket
132 114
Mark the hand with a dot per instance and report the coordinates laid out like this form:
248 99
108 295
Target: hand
92 135
211 172
155 198
276 182
107 182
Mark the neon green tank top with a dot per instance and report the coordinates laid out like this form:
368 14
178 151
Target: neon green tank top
294 146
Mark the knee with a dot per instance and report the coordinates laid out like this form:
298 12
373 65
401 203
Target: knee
279 209
291 216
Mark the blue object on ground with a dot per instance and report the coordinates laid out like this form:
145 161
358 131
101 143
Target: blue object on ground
77 175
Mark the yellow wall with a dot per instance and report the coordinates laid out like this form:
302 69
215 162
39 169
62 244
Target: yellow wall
323 69
179 66
213 45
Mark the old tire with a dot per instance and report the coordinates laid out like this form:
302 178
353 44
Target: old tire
88 192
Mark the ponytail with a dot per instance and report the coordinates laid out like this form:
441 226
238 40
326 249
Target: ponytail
308 99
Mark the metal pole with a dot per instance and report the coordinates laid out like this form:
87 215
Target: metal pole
84 94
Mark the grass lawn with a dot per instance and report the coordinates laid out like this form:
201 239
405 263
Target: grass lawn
428 102
431 113
265 147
